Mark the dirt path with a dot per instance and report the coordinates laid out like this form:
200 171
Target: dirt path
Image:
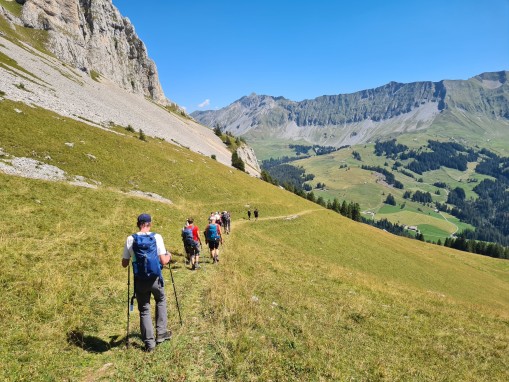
457 228
281 217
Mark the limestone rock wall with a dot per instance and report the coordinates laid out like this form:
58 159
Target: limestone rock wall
93 35
248 156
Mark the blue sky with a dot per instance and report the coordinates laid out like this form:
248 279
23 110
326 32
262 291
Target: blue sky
211 53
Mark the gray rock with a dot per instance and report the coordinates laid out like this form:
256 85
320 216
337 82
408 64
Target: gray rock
93 36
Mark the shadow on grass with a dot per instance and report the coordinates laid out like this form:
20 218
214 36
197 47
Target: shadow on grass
93 344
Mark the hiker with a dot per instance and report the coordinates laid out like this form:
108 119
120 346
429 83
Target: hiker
226 218
192 243
256 213
213 238
248 214
148 257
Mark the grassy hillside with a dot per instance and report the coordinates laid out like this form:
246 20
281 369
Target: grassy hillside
300 294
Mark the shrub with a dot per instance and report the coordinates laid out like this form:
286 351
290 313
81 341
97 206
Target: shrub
95 75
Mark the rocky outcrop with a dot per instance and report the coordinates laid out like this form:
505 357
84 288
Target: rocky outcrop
248 156
46 83
93 36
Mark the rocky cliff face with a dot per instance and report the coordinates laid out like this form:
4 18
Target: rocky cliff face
362 116
93 35
248 156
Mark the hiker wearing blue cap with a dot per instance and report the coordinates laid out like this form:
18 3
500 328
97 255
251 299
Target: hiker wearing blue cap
148 255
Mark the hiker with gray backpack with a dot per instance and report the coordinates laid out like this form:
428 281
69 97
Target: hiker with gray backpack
226 219
213 238
192 243
148 254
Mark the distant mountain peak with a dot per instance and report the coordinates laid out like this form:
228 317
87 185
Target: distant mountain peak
362 116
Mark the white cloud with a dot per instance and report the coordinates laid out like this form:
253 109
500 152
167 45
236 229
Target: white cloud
204 103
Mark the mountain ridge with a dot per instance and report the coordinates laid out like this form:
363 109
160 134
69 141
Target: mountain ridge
363 115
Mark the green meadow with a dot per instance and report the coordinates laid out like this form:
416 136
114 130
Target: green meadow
301 294
352 183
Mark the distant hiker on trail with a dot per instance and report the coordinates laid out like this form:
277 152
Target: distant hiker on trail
248 214
148 255
226 218
192 243
213 238
256 213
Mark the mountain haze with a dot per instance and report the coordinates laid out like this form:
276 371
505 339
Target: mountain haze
360 117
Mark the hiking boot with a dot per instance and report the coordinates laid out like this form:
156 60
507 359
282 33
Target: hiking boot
193 267
163 337
197 266
149 349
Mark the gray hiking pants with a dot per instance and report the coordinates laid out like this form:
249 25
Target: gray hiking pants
144 289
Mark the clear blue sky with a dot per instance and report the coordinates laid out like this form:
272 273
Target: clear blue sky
214 52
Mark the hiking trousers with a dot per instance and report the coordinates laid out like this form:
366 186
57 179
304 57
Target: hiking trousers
144 289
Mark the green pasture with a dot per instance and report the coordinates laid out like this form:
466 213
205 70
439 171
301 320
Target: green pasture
417 219
272 148
431 232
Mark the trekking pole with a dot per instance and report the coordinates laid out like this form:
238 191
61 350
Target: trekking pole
128 307
175 292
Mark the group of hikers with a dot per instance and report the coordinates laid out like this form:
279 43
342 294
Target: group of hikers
255 214
213 237
149 255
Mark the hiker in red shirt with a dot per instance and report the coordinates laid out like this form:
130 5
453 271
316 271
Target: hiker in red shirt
192 242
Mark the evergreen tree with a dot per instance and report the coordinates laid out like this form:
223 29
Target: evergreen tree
343 210
336 206
217 130
237 162
356 212
390 200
